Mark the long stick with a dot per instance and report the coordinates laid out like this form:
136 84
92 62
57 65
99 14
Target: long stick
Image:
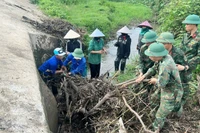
119 84
143 125
132 82
105 98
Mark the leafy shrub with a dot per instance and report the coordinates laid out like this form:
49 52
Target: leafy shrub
171 16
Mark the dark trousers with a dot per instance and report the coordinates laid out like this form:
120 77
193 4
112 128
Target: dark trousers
94 70
117 62
50 81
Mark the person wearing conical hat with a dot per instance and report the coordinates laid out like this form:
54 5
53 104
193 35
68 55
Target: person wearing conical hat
177 54
78 63
52 67
145 27
123 49
96 49
144 62
191 41
73 41
168 82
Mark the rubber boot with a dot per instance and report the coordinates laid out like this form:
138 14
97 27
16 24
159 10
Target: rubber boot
117 60
123 64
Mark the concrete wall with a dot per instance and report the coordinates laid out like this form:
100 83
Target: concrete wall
21 107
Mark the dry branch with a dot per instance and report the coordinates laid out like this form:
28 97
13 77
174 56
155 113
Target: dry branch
143 125
105 98
132 82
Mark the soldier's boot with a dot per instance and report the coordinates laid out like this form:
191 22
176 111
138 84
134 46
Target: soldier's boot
117 61
123 64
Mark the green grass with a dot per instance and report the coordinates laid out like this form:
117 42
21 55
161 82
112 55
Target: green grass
130 72
92 14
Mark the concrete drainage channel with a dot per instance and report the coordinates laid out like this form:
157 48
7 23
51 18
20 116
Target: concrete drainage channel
42 47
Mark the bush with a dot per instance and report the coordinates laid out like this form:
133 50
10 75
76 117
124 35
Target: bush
171 17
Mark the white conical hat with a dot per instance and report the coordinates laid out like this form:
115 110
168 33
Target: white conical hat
71 35
125 29
97 33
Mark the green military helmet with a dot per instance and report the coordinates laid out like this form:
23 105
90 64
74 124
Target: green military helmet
192 19
156 49
150 36
166 37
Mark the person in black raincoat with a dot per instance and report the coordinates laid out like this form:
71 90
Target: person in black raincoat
123 49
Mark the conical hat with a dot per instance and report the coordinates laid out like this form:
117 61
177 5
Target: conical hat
146 24
71 35
97 33
125 29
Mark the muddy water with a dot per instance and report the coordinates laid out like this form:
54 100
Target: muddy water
108 59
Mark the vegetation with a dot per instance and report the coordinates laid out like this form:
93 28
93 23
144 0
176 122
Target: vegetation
131 70
171 17
89 15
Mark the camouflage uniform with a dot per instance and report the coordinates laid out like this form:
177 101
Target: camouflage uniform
179 58
191 43
144 62
168 81
191 48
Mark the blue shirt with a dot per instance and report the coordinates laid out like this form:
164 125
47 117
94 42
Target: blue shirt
52 65
77 66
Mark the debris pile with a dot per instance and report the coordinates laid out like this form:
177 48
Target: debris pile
97 106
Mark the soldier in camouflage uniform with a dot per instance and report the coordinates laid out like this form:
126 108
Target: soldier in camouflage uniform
168 82
177 54
144 62
191 41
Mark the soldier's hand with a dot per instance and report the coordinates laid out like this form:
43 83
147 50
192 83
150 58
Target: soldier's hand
152 81
139 79
180 67
140 75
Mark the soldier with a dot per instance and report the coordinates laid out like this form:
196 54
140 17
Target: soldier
191 41
144 62
177 54
123 48
168 82
145 27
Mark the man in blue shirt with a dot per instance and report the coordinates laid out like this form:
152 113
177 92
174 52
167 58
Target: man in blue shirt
52 66
78 63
